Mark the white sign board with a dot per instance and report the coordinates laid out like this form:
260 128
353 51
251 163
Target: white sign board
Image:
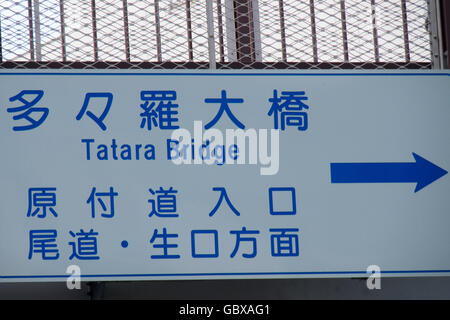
205 175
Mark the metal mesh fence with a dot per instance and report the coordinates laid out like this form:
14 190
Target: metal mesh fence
190 34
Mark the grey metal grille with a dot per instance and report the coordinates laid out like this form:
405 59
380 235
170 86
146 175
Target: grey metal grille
190 34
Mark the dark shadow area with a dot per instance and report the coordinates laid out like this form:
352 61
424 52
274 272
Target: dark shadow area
258 289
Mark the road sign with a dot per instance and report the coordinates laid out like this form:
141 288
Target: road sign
205 175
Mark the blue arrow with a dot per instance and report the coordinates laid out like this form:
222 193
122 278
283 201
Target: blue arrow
422 172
